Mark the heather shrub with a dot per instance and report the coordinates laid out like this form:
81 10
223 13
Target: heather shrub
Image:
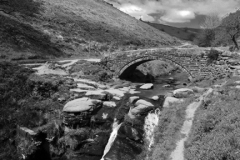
18 107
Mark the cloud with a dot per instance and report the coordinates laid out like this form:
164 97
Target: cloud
178 16
175 11
136 12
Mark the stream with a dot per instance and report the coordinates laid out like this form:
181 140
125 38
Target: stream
129 139
118 136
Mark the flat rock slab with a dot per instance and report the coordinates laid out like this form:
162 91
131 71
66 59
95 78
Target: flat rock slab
78 90
81 105
97 94
147 86
85 86
116 92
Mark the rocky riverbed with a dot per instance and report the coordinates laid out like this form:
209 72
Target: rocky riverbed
110 120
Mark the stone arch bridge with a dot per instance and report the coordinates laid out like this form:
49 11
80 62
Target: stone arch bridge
194 61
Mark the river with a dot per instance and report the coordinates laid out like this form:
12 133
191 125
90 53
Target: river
129 139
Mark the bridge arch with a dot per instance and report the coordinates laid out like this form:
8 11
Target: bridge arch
132 65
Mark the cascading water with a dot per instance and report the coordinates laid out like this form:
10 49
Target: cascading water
112 137
151 121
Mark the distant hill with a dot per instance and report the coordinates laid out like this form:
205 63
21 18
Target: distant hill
55 28
186 34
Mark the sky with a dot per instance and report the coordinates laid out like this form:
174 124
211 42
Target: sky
179 13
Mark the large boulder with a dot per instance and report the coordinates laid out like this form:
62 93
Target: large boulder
81 104
78 113
147 86
140 107
182 92
144 102
170 100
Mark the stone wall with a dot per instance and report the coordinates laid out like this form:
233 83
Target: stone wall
195 61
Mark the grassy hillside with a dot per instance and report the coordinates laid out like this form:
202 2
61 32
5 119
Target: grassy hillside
215 132
52 28
187 34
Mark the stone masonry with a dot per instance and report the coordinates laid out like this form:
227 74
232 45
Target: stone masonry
195 61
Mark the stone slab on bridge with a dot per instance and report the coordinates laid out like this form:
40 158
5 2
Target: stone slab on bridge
194 61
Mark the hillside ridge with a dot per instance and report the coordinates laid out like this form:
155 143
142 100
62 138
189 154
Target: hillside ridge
73 27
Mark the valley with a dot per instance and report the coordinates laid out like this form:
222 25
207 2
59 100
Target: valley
80 79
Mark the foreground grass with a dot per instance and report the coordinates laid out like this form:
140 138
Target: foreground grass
168 131
216 128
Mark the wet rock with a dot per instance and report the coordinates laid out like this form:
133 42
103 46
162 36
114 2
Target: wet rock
169 100
166 86
198 89
85 86
155 98
182 92
95 147
116 98
144 102
147 86
134 133
133 98
141 107
127 144
110 104
81 104
115 92
97 94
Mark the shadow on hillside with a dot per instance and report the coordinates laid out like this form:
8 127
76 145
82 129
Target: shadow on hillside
25 7
22 38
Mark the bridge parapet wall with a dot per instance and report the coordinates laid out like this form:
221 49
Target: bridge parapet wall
195 61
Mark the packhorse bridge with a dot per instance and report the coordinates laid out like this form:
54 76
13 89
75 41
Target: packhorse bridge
197 62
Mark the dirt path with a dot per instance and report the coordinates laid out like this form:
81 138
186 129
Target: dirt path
178 153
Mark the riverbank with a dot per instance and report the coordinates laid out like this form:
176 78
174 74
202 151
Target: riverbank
79 116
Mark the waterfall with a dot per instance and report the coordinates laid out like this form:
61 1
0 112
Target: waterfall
115 128
151 121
